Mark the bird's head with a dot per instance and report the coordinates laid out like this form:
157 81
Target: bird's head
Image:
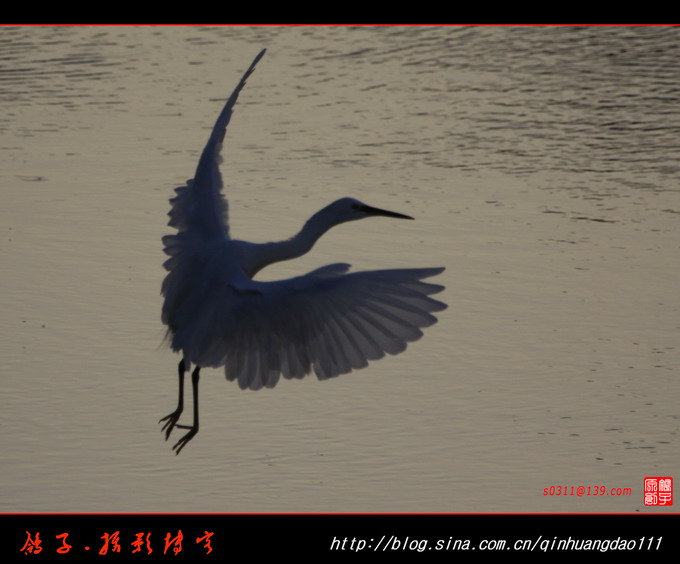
349 209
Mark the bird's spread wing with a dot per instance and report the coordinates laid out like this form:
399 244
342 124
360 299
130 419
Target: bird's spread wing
199 210
327 322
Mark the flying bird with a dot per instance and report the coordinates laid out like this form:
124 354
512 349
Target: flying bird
327 321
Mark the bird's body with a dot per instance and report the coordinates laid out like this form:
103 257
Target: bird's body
327 321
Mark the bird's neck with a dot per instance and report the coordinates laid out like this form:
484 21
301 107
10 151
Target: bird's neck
296 246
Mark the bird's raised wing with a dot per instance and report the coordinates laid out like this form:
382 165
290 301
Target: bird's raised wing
327 322
199 210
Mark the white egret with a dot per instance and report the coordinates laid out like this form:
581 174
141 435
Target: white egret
326 321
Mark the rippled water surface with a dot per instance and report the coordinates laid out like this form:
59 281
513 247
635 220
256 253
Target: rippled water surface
541 165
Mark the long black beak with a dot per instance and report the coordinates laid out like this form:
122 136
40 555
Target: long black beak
377 211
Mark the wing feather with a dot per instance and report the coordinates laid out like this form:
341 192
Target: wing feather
329 324
199 210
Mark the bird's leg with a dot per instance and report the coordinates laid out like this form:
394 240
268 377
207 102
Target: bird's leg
194 428
171 420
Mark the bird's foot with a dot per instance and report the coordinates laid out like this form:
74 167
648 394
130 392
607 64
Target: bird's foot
170 423
185 439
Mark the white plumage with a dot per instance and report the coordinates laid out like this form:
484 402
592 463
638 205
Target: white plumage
328 321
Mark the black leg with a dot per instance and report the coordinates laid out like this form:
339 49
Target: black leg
171 420
194 428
